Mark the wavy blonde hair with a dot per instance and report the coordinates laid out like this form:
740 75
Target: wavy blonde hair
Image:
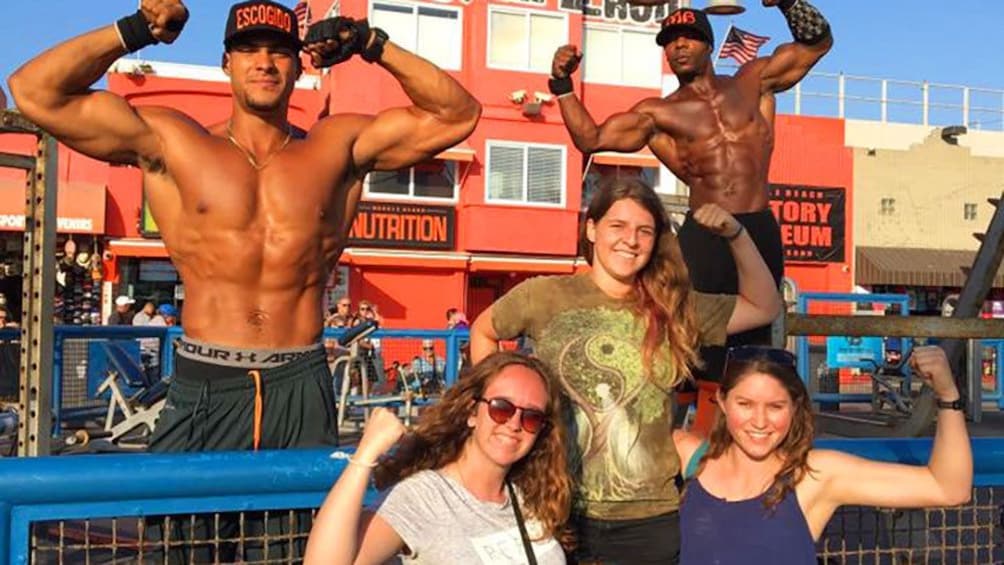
662 288
442 434
795 447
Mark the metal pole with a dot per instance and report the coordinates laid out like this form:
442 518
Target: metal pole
965 106
841 87
885 100
974 368
894 326
37 285
926 91
37 289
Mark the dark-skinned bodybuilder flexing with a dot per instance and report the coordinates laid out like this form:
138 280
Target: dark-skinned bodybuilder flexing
716 133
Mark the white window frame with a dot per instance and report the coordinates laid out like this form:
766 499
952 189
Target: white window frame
410 197
527 13
458 62
525 146
656 80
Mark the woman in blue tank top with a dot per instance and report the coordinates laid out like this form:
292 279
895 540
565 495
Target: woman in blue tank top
759 493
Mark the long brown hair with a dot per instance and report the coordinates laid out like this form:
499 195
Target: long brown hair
442 433
662 288
795 447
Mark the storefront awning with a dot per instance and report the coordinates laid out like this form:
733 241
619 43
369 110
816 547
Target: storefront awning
643 158
459 152
522 264
363 257
914 267
137 247
80 206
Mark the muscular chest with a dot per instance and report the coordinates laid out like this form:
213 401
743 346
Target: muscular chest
730 114
228 193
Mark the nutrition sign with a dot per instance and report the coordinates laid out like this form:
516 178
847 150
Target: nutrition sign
812 222
403 225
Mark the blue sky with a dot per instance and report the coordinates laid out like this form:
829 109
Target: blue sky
945 42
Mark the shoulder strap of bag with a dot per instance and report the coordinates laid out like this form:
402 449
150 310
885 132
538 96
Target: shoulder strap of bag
531 558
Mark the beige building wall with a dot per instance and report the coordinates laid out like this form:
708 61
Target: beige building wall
911 187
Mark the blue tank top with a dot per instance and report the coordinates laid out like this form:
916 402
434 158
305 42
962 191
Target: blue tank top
718 532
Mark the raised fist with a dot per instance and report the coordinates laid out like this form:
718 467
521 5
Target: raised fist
717 220
380 434
930 364
335 40
166 18
566 61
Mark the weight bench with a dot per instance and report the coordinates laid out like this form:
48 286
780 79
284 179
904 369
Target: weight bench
132 392
350 340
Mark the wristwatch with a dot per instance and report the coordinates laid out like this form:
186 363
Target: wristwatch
957 404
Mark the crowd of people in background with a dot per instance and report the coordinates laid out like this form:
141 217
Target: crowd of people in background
124 314
423 372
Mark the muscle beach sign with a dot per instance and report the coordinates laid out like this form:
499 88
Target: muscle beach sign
812 221
619 11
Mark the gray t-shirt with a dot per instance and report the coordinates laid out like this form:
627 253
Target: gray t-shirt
441 522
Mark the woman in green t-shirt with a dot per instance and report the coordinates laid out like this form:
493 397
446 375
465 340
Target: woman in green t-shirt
619 339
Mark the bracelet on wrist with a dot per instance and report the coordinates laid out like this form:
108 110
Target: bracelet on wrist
351 460
739 232
134 32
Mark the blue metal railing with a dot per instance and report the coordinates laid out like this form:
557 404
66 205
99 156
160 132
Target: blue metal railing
104 486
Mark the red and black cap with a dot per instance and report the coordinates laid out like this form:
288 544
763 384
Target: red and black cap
261 16
685 19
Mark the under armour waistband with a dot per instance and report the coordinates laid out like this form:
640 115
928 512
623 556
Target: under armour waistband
241 357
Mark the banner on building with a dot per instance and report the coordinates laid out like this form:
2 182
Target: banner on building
80 206
619 11
408 226
812 221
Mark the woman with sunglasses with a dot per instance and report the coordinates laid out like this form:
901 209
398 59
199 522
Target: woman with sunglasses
619 339
481 479
758 479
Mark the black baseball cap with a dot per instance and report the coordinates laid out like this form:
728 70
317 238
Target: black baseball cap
685 19
261 15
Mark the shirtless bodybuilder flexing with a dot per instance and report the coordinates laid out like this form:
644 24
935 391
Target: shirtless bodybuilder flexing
716 133
253 211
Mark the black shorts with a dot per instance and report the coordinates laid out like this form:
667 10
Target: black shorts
642 541
713 270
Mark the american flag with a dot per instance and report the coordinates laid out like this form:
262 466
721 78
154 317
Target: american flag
302 11
741 45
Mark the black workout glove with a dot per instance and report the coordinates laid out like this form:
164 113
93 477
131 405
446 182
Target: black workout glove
333 29
135 33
